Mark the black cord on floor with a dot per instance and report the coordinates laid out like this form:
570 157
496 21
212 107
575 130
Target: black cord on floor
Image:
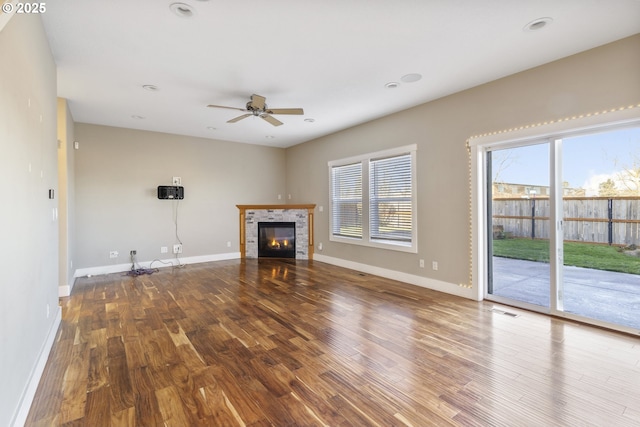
137 271
141 271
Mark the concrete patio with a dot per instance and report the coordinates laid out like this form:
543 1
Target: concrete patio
603 295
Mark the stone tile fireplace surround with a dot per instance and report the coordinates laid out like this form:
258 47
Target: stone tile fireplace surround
251 215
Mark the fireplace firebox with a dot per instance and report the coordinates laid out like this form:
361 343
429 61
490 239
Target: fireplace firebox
277 239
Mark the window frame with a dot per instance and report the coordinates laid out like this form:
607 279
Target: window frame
366 240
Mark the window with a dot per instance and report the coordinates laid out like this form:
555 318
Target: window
373 199
390 195
346 208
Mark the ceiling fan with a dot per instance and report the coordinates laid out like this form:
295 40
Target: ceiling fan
258 107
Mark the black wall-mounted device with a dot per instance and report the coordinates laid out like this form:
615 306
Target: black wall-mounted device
170 192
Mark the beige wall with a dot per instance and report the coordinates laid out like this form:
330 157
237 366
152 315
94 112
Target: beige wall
599 79
66 197
28 226
117 209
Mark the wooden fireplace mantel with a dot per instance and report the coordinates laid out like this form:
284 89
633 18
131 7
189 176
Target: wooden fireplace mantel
244 208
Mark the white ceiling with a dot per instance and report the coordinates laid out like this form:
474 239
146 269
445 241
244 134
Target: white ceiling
331 57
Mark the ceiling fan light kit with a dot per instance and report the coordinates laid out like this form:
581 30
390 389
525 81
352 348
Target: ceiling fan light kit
257 106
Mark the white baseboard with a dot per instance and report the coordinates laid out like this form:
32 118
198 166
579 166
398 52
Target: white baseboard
118 268
22 412
65 290
412 279
424 282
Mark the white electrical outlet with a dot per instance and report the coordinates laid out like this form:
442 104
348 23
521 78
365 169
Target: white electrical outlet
177 248
177 180
164 249
113 254
421 263
434 265
228 244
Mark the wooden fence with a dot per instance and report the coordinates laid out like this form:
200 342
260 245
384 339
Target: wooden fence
608 220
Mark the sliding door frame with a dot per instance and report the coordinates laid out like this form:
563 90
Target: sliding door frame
553 133
487 185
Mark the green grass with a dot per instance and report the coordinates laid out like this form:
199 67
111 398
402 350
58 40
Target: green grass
599 257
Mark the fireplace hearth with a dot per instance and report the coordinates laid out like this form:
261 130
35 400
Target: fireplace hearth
277 239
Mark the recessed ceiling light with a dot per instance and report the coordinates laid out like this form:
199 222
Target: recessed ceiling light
270 137
137 117
410 78
537 24
392 85
150 88
309 120
183 10
211 128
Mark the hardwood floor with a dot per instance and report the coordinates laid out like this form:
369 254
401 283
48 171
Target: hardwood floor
288 343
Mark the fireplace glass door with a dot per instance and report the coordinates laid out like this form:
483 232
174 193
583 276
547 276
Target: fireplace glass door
277 239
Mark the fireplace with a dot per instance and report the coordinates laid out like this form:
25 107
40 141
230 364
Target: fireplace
300 215
277 239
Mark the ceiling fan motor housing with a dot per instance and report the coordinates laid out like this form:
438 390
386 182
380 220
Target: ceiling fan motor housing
254 109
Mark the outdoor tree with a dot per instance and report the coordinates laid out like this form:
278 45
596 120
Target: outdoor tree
501 161
607 188
629 176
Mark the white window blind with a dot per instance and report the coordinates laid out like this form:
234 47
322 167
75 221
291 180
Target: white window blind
390 199
373 199
346 182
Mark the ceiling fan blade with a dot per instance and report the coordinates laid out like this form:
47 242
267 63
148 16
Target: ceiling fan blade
297 111
271 119
237 119
222 106
258 102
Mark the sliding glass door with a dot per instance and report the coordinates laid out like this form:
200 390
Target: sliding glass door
601 217
563 225
518 244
